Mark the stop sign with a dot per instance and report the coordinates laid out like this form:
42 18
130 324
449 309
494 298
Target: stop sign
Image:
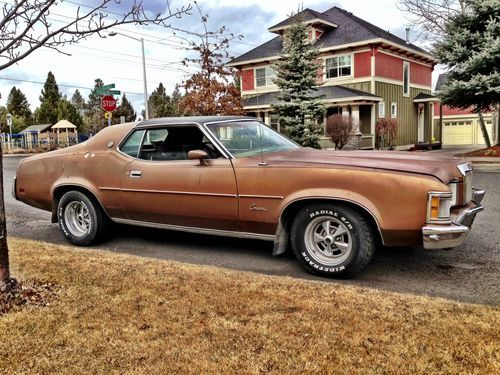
108 103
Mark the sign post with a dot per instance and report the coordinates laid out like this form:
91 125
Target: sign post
108 103
9 123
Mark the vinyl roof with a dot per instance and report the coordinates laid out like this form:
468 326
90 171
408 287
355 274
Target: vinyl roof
201 120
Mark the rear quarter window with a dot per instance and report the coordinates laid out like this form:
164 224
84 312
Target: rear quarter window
132 144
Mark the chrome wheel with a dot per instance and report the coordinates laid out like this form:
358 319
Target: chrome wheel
328 240
77 218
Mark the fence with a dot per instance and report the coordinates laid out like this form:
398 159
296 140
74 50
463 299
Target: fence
40 141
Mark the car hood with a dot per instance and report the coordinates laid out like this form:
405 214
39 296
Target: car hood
442 167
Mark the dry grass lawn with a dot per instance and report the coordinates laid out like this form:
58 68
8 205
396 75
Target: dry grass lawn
118 314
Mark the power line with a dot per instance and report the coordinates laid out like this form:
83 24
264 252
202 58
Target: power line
72 86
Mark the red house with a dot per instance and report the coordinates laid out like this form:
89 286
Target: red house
366 73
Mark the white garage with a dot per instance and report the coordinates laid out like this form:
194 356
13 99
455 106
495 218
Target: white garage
464 131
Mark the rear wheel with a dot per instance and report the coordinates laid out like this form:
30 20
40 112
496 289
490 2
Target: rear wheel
81 220
332 240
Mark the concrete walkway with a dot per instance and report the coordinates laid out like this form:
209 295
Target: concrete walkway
482 164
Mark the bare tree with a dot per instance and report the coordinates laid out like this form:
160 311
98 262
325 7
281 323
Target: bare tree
339 129
27 26
212 89
430 16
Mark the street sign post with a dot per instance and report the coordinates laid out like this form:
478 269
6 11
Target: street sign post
9 123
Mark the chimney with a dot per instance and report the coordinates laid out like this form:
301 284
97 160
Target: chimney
407 35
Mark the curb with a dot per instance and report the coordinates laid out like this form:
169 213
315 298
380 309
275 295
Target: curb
481 167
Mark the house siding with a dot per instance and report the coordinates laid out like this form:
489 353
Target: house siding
362 86
388 66
420 74
247 79
362 64
407 111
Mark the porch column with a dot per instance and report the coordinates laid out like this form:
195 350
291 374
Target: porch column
76 136
372 123
345 111
355 118
267 118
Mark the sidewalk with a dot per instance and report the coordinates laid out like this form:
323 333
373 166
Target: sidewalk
481 164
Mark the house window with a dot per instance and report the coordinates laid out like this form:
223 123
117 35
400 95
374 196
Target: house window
381 109
394 109
339 66
264 76
406 78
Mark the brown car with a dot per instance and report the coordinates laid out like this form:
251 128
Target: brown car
234 176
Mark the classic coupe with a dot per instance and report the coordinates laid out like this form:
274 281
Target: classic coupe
234 176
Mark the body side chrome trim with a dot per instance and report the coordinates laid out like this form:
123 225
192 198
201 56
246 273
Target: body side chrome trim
168 192
260 196
215 232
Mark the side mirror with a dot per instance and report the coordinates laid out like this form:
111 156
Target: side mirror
198 155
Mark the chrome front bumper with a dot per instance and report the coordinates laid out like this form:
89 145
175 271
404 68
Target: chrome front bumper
454 234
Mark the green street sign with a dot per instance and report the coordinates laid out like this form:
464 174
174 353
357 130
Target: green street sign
107 87
113 92
104 88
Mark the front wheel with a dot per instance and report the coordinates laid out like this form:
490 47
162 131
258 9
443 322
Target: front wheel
80 219
332 240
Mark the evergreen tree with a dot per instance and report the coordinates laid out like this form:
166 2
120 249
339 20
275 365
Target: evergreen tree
93 120
159 103
18 105
67 111
79 102
471 50
296 74
49 100
124 109
176 100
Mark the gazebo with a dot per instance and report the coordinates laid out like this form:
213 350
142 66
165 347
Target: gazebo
64 133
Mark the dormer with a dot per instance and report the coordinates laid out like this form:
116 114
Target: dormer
318 21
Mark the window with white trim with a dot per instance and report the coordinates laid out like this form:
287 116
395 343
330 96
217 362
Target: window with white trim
381 109
264 76
338 66
394 109
406 78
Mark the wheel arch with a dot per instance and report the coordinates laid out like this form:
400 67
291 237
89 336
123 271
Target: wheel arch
290 211
62 189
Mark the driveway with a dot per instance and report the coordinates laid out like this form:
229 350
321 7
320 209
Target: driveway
469 273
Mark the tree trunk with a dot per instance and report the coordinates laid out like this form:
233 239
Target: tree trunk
4 250
483 129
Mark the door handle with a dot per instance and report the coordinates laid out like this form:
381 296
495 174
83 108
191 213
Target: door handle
135 174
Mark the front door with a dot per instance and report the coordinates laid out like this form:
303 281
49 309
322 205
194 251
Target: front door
163 186
420 123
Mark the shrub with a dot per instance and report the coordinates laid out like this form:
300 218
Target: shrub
339 129
386 130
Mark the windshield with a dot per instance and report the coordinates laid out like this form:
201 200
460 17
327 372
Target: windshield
249 138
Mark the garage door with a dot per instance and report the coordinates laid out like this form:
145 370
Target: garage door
464 132
457 132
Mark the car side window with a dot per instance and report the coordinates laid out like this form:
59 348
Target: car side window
174 143
132 144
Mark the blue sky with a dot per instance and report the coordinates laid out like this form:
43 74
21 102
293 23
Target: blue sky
118 59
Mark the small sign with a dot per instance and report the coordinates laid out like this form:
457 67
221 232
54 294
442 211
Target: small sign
108 115
108 103
104 88
9 119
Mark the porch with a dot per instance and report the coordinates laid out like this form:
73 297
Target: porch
359 105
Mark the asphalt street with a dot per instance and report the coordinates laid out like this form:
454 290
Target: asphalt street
470 273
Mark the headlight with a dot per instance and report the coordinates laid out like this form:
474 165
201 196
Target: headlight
438 207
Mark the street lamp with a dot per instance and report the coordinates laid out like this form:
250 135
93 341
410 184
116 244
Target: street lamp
113 33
